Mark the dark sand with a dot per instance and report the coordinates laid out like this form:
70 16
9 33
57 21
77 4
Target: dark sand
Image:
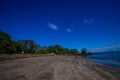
56 68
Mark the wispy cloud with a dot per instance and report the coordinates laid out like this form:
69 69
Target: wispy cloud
88 20
52 26
113 47
68 30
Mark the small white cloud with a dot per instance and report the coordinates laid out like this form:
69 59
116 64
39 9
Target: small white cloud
68 30
88 20
53 26
85 20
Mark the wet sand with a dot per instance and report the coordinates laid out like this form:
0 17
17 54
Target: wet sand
56 68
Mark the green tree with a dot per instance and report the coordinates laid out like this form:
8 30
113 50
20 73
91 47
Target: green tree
58 49
43 50
37 48
50 49
84 51
73 51
27 45
6 44
66 51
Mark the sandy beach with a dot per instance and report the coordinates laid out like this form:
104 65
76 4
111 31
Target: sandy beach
56 68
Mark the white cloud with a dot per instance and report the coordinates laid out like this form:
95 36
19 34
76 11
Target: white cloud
85 20
113 47
53 26
68 30
88 20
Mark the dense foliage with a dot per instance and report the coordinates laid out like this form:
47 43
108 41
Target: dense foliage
9 46
84 51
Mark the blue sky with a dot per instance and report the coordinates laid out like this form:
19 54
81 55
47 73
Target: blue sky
71 23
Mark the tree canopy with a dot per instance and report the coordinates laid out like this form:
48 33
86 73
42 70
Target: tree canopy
84 51
9 46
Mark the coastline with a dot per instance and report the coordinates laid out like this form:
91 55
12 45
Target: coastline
56 68
107 58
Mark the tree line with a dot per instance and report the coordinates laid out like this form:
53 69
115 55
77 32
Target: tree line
10 46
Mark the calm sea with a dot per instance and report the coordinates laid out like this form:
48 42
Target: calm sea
108 58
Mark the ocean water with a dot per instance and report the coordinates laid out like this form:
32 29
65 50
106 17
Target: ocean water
108 58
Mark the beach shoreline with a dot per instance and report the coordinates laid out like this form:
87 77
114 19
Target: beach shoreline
56 68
